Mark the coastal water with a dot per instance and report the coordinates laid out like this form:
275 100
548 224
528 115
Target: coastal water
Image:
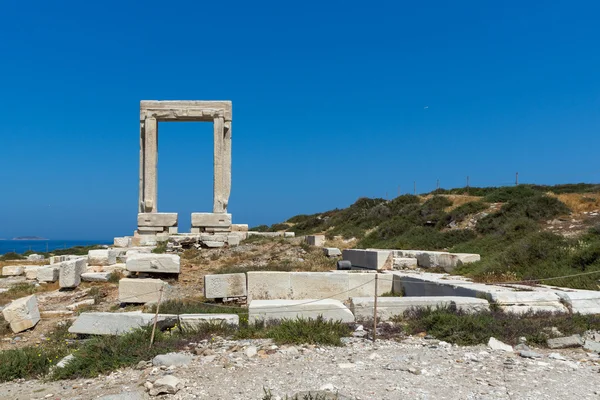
21 246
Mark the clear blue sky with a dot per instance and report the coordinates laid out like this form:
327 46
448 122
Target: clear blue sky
332 100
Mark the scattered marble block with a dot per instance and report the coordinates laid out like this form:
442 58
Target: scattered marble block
141 290
332 252
22 314
102 257
35 257
192 322
157 263
69 275
13 270
315 240
107 323
122 241
96 276
224 285
31 271
329 309
48 273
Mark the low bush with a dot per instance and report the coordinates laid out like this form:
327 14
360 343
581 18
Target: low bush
11 256
464 329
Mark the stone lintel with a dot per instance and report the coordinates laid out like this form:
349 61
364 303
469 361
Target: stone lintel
185 110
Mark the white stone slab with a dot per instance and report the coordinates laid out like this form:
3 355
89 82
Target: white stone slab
48 273
13 270
204 220
291 309
96 276
156 263
224 286
35 257
520 302
122 241
197 321
369 259
69 275
106 323
102 257
315 240
581 301
405 262
22 314
141 290
31 271
362 284
318 285
268 285
332 252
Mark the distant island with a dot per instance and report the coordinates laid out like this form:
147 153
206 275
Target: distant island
29 238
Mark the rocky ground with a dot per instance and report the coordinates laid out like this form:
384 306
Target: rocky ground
414 368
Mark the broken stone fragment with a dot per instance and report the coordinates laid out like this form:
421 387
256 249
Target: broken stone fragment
166 385
157 263
70 273
102 257
12 270
22 314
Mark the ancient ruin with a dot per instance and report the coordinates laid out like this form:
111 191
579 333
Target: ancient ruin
150 221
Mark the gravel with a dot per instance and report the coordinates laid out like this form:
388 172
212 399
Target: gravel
412 369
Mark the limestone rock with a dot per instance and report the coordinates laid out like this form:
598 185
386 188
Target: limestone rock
592 345
565 342
224 285
22 314
75 306
13 270
157 263
495 344
169 359
31 271
122 241
168 384
157 219
69 275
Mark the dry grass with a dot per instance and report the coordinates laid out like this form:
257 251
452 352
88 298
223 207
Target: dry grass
579 202
456 199
24 289
22 262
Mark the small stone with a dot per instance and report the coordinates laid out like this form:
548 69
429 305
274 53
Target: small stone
529 354
556 356
495 344
251 351
171 359
168 384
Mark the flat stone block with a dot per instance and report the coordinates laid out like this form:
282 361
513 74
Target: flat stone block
75 306
31 271
157 263
122 241
197 321
172 230
35 257
565 342
369 259
389 307
315 240
239 227
362 284
157 219
268 285
204 220
233 240
224 286
69 275
405 262
96 276
212 244
581 301
317 285
48 274
141 290
520 302
22 314
106 323
332 252
466 258
330 309
289 234
13 270
102 257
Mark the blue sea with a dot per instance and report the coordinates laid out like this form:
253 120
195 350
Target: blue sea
21 246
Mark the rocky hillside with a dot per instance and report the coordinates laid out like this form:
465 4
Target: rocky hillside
522 232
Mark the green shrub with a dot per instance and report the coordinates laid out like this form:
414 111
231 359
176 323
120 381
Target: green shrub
260 228
455 326
10 256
